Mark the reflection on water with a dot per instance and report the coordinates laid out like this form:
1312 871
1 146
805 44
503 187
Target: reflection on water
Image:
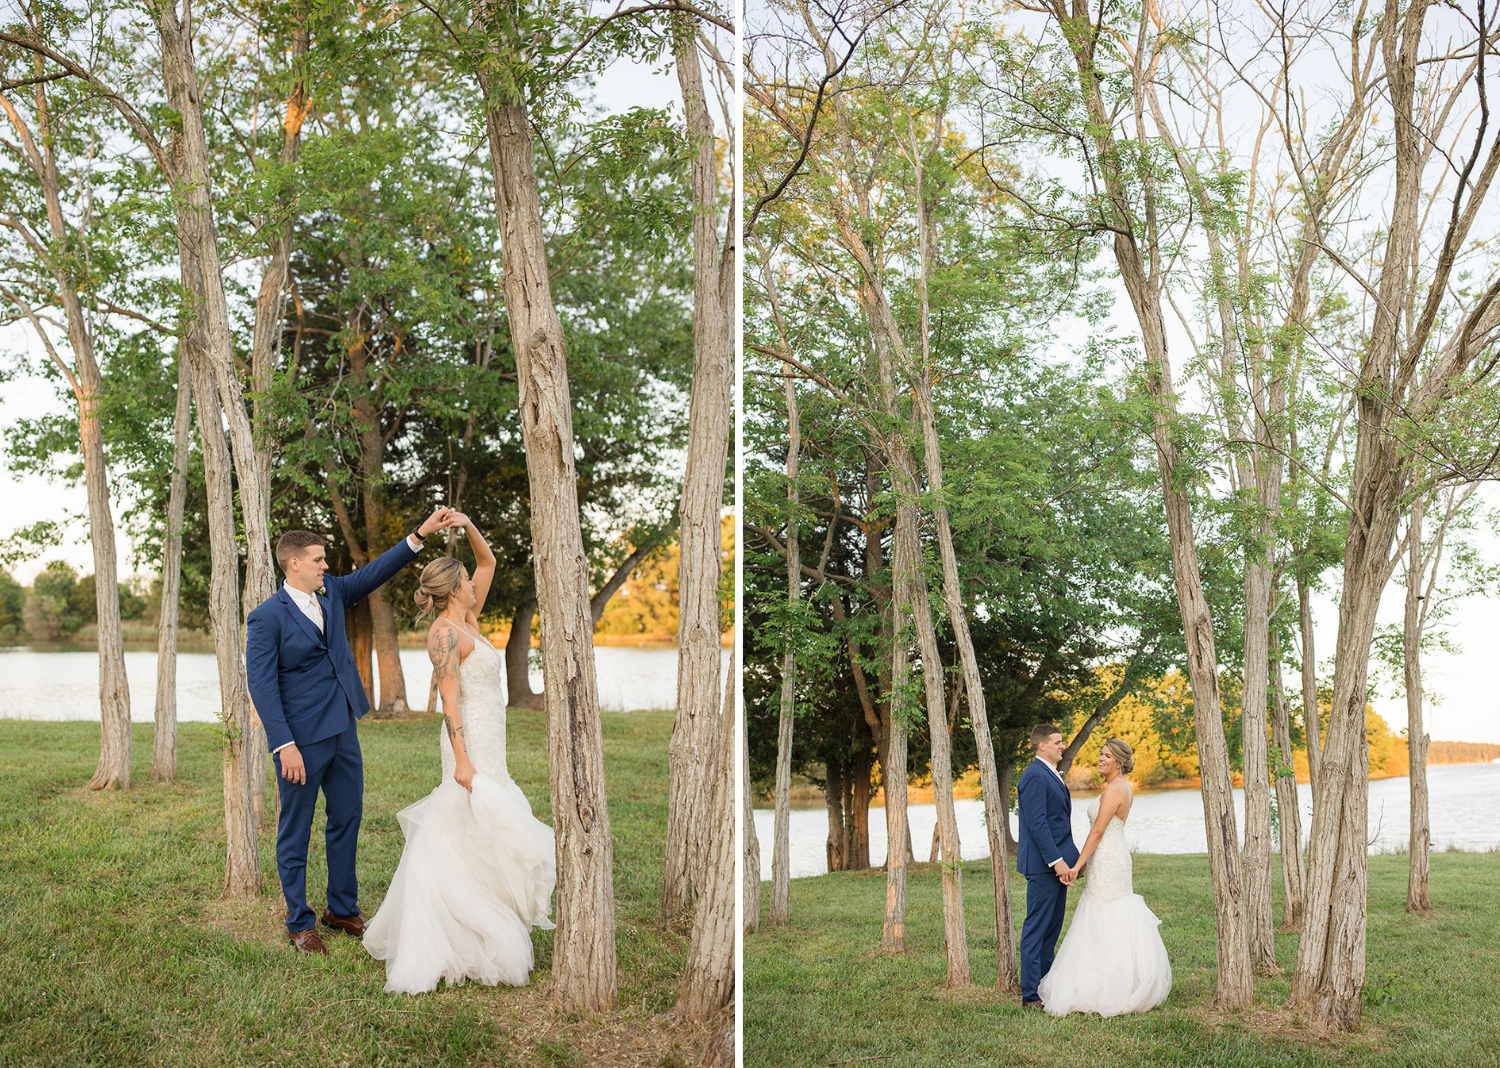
1461 807
64 684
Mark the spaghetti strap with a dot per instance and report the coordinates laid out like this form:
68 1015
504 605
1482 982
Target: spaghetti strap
477 638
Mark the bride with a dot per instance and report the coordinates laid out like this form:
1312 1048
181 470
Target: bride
1112 960
478 868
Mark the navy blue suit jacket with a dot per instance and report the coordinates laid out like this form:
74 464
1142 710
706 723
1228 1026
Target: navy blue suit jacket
1046 818
304 683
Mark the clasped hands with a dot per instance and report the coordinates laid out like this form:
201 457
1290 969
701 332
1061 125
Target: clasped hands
442 519
1067 875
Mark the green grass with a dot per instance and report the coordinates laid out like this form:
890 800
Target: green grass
817 992
116 949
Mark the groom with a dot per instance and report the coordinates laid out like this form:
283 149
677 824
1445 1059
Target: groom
1045 856
309 696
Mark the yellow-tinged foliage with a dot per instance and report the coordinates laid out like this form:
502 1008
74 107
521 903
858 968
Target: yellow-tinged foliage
644 610
1160 759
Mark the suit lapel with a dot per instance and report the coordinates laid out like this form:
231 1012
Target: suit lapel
308 626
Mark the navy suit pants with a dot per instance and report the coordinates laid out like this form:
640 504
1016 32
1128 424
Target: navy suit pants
1046 903
334 766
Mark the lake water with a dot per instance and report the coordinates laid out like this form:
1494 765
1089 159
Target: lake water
1462 802
64 684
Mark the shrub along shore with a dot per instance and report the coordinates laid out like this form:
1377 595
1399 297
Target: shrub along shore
116 949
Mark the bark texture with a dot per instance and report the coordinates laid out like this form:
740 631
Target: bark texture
781 857
708 979
84 379
242 855
715 275
750 890
164 738
1288 807
912 585
583 960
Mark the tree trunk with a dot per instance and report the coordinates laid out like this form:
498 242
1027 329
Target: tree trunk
359 632
164 737
893 776
113 769
1419 842
750 890
518 692
1260 921
367 405
708 979
197 232
833 797
920 379
781 861
1287 804
1312 718
269 303
1012 847
220 403
583 957
913 586
1233 985
715 277
242 867
857 819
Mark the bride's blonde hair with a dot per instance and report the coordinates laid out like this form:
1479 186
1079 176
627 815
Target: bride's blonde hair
1123 754
439 579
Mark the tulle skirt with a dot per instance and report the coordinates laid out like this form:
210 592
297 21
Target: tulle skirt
476 875
1111 961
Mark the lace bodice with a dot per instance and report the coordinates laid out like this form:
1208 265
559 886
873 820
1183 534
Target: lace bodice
1107 875
481 706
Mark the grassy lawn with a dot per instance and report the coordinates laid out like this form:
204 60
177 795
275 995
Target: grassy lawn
817 992
116 949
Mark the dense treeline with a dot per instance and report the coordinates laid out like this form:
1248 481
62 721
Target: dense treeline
1075 372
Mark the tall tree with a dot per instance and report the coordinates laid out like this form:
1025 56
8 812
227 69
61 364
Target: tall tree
715 277
63 251
583 961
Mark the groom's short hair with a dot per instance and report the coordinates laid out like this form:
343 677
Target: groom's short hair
293 542
1041 732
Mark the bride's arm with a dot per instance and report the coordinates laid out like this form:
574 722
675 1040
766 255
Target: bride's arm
484 568
443 651
1109 804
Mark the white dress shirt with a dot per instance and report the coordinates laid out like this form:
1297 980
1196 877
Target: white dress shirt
308 602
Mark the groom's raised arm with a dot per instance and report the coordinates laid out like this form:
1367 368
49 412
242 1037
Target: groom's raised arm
1031 796
366 580
262 672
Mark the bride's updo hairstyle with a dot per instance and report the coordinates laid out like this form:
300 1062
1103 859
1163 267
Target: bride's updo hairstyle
1123 754
439 579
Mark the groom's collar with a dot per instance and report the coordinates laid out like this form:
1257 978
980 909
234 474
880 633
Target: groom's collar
1050 768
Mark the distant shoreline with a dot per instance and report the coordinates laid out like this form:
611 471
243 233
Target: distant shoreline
805 795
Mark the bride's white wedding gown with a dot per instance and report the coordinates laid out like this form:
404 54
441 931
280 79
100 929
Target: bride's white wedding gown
478 868
1112 959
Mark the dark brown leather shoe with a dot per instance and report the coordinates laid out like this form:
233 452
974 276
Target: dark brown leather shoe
1032 1005
308 942
354 925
